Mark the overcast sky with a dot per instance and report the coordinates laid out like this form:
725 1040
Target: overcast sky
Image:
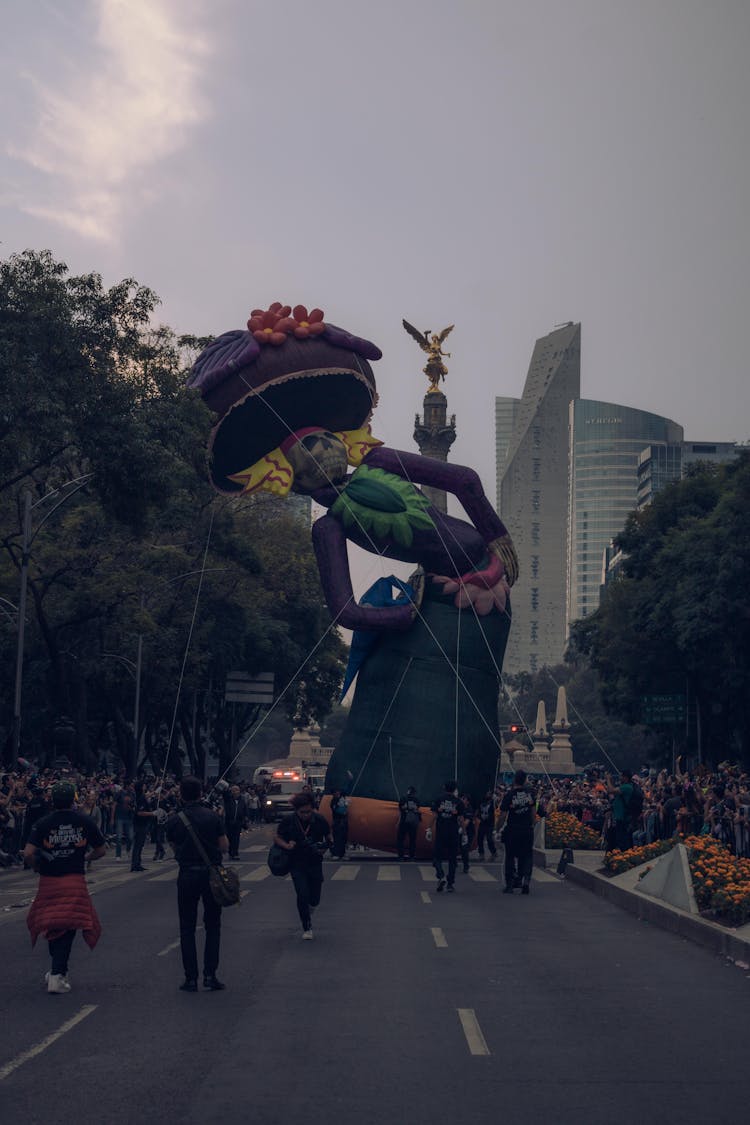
501 166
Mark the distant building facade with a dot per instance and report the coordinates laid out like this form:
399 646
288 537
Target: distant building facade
659 465
606 443
533 496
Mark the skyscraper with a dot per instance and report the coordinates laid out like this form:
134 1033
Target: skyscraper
506 412
533 498
606 441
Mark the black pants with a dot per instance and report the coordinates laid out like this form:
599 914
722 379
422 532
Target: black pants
519 848
233 836
308 883
192 886
466 848
484 832
446 849
406 832
141 830
340 833
59 951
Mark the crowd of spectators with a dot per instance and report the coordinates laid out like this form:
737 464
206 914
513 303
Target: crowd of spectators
684 803
110 800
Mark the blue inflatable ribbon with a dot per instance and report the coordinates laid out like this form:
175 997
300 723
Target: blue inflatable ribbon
380 594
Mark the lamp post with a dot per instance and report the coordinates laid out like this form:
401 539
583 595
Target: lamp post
64 492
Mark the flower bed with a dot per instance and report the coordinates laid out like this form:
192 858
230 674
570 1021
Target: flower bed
566 831
616 862
721 881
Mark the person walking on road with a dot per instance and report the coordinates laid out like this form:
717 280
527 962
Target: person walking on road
235 819
305 835
409 817
486 825
519 806
467 831
447 826
340 822
193 883
61 843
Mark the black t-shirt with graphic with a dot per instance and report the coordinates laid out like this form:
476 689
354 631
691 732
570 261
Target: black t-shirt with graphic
487 810
447 809
62 838
520 805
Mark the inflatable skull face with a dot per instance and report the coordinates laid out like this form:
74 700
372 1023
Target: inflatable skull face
318 459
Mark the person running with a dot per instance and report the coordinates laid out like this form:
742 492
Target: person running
61 843
447 826
305 835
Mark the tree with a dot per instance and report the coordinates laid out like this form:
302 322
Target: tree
87 386
678 622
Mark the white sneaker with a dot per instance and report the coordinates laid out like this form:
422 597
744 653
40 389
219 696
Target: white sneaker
57 983
307 935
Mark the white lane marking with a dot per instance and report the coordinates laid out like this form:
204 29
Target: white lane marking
540 876
425 895
168 949
351 871
428 874
388 874
32 1053
256 848
256 875
479 875
165 876
473 1032
439 937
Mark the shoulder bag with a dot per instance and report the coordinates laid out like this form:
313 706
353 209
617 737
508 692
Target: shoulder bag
278 860
223 881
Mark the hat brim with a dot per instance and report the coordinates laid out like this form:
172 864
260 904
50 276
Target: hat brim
333 398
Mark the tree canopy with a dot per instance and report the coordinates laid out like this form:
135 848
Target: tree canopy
677 621
91 392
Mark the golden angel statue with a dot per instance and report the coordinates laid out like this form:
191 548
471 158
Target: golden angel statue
432 343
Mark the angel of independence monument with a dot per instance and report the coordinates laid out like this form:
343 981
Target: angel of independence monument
433 433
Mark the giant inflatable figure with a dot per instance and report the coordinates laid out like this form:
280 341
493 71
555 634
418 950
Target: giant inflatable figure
294 395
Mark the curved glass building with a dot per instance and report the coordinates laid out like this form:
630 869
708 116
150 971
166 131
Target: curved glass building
606 441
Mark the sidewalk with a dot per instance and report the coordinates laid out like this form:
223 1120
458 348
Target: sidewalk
622 891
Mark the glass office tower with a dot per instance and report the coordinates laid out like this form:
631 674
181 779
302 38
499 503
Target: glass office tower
606 441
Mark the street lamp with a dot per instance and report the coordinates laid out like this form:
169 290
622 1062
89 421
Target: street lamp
65 492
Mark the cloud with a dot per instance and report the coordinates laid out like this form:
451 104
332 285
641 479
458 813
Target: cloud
133 106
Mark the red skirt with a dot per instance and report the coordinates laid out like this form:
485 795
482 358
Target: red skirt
63 904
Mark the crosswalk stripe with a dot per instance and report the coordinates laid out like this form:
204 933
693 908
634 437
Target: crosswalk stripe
346 873
256 875
479 875
388 874
428 874
165 876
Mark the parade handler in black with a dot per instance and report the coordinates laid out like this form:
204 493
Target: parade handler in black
519 806
59 846
306 836
447 826
193 884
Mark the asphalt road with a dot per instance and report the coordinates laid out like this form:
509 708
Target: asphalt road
408 1007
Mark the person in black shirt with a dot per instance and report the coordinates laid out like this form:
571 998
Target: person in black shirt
486 825
305 835
467 832
519 806
193 884
409 817
59 844
235 819
143 820
447 826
